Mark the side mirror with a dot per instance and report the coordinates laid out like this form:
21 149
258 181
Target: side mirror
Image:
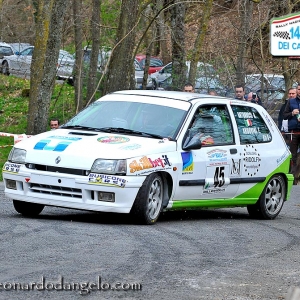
193 144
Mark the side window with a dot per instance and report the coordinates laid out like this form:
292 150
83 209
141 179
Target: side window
211 125
252 128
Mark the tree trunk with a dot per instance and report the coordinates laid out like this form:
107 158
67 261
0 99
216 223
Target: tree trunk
43 69
120 75
246 18
78 67
38 60
95 33
178 45
200 40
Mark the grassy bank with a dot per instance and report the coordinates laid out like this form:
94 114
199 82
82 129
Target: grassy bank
14 101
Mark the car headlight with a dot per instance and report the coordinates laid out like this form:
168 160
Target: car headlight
109 166
17 155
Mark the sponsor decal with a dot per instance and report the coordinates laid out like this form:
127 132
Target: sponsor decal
217 157
149 164
55 143
11 168
248 122
251 130
187 163
246 115
282 157
214 191
130 147
251 160
236 167
110 180
269 121
113 139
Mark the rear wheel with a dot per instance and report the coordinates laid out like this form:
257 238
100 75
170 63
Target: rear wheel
27 208
148 202
271 200
5 68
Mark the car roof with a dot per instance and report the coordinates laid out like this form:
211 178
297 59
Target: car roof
142 56
19 46
177 95
4 44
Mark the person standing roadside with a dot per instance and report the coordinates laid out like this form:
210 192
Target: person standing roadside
54 123
239 92
189 88
282 125
254 98
292 114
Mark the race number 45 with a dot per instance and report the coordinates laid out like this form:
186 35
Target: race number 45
219 178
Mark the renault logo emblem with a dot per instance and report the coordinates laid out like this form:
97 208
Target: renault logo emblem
57 159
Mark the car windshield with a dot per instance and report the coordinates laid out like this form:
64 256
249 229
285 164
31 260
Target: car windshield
277 81
134 118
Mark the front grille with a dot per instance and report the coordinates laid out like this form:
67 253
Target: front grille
62 170
55 190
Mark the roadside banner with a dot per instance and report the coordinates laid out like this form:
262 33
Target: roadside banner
285 35
17 137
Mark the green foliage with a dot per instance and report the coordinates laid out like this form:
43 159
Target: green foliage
14 109
110 12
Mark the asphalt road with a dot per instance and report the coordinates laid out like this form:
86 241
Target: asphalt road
211 254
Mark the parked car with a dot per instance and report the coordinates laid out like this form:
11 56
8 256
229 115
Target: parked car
20 63
271 80
18 47
139 75
5 50
155 63
160 77
103 57
142 152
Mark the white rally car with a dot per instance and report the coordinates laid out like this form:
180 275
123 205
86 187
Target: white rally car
142 152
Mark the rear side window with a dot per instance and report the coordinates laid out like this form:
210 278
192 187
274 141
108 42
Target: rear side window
5 51
252 128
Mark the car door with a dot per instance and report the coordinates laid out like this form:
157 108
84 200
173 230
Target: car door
209 172
23 62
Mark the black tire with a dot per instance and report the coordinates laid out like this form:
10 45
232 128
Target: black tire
5 68
148 202
28 209
271 199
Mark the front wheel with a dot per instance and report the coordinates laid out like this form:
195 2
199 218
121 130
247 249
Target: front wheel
271 200
27 208
148 202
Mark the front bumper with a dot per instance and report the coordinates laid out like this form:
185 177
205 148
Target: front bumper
72 191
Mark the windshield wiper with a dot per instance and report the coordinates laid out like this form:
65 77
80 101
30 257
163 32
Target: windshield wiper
130 131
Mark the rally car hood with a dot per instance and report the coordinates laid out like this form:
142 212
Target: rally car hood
83 147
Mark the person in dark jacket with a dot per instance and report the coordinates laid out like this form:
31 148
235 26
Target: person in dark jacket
292 93
292 114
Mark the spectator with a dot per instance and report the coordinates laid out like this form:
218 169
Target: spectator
54 123
212 93
239 92
291 113
283 124
189 88
254 98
